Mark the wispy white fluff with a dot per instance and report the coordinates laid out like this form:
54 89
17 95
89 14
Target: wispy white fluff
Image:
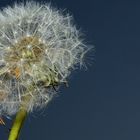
62 51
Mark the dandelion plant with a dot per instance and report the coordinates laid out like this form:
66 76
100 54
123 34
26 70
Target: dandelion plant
39 47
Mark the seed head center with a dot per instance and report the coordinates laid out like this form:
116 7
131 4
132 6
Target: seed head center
24 54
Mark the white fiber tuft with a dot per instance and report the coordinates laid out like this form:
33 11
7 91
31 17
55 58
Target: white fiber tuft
39 47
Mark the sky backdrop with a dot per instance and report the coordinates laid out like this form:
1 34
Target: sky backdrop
102 103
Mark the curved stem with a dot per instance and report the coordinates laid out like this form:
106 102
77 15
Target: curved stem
20 117
17 124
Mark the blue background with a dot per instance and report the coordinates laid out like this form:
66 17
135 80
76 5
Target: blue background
102 103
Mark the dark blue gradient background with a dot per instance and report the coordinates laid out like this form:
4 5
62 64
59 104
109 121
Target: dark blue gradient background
102 103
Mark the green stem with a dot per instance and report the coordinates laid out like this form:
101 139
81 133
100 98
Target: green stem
17 124
20 117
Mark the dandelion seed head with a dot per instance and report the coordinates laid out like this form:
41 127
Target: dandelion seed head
39 47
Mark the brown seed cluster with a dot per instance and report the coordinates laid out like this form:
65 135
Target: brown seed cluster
23 54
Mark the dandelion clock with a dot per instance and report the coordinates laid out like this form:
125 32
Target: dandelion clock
39 48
